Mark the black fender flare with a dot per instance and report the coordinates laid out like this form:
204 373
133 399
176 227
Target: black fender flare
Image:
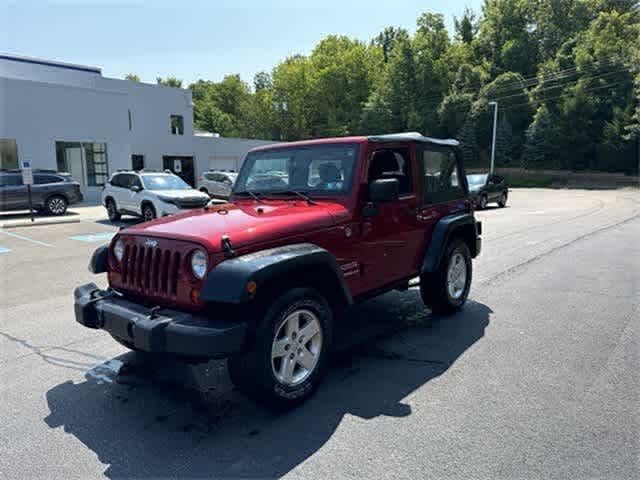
462 224
99 260
227 282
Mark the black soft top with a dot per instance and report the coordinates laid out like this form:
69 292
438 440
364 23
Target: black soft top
413 137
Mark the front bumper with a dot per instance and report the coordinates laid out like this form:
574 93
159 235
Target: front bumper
157 330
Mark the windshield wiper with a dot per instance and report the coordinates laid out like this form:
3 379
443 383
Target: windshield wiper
251 194
303 196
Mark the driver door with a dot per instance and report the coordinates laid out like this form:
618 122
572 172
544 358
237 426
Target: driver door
391 236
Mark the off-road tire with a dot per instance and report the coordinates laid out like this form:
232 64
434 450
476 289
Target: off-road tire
148 212
112 211
57 205
251 371
433 286
503 200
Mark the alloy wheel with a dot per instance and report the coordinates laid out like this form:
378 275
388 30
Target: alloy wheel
57 206
456 276
296 347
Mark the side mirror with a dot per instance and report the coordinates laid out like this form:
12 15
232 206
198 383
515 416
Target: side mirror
384 190
135 188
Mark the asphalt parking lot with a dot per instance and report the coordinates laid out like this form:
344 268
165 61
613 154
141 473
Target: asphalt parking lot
536 378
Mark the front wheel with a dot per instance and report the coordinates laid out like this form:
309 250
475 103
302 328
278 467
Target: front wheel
503 200
289 353
112 211
445 290
148 212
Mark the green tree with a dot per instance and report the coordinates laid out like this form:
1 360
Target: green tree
466 27
506 36
453 111
387 40
132 77
170 81
468 143
504 143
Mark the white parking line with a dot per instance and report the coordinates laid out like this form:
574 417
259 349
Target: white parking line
37 242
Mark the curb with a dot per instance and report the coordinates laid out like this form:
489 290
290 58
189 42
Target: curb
38 223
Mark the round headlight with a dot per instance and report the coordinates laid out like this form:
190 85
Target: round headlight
199 264
118 250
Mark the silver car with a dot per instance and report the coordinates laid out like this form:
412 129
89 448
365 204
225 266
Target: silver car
217 183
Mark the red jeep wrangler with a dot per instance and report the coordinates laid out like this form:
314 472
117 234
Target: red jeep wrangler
311 227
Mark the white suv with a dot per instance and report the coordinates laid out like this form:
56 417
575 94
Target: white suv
149 194
217 183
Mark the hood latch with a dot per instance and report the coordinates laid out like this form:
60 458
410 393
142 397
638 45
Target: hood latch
225 243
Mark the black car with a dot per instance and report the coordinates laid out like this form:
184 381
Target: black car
51 191
485 188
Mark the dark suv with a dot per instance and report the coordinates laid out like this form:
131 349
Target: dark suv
51 191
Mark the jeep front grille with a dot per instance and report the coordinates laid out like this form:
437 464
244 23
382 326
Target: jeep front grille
150 270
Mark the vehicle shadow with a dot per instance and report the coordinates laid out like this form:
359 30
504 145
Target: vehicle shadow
25 215
170 420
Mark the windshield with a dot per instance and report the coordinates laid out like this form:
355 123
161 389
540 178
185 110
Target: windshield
317 169
476 180
164 182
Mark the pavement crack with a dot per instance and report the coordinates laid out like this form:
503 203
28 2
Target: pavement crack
41 351
542 255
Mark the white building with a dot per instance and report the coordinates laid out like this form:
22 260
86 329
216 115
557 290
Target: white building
70 118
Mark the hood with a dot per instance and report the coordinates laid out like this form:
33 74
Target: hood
192 193
245 223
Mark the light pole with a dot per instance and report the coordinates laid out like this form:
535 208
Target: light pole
493 141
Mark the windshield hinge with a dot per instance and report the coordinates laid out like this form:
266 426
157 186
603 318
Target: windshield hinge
225 243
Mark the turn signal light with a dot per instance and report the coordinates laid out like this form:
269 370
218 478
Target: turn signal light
195 295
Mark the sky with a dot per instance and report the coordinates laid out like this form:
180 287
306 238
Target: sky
197 40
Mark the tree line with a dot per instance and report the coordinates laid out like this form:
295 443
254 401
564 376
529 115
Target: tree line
564 73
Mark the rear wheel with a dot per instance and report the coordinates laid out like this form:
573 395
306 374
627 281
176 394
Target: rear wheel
57 205
503 200
112 211
445 290
482 203
148 212
289 354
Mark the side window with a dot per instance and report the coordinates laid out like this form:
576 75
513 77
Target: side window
392 163
440 182
44 179
134 181
13 180
116 180
209 176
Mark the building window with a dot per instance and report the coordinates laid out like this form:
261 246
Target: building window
84 161
8 154
177 125
137 162
130 123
